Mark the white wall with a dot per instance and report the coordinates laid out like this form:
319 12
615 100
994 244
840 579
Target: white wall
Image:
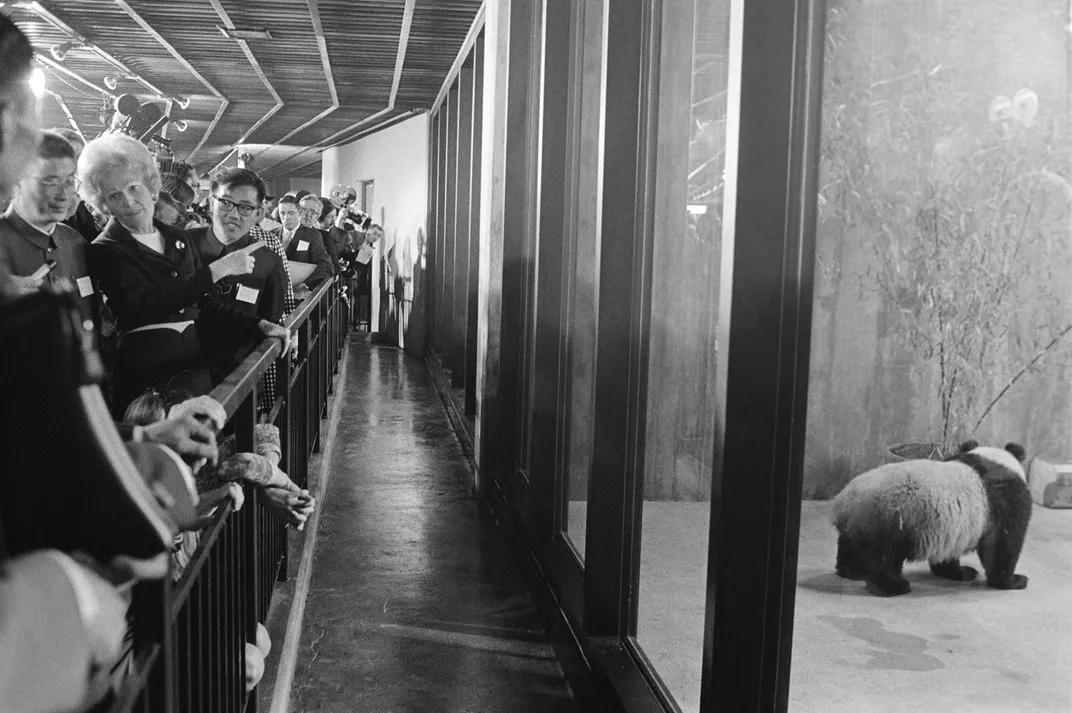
397 160
279 186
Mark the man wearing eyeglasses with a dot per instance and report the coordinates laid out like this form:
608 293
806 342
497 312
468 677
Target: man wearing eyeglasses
37 247
236 205
303 244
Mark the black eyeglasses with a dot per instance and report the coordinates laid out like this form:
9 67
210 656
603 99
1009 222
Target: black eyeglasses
244 209
71 183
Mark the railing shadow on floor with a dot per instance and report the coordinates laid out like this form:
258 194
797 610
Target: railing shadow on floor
190 634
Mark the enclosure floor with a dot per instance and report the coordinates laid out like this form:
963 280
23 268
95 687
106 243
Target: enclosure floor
946 646
415 602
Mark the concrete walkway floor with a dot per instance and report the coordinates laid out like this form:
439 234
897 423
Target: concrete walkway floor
415 603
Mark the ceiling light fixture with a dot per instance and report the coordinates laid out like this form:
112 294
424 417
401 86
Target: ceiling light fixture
59 51
245 33
37 82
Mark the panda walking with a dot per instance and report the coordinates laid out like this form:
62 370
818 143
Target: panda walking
975 500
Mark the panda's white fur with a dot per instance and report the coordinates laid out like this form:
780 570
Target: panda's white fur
918 497
942 503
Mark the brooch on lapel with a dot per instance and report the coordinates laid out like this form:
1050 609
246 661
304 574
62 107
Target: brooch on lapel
179 244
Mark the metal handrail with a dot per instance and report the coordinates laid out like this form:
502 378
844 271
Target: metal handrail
240 382
239 554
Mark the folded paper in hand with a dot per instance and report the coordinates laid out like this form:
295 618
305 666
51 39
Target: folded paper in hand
364 254
299 271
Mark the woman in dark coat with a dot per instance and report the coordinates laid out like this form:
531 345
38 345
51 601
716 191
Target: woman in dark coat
163 297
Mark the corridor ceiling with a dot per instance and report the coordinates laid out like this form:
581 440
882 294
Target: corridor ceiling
281 79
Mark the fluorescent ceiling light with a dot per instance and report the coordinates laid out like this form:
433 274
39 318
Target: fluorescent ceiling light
245 33
37 82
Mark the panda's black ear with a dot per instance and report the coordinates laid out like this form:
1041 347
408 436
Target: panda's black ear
1017 451
970 445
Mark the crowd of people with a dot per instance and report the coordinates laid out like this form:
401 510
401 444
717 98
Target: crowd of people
177 300
168 290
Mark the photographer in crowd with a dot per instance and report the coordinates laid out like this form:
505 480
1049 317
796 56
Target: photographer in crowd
346 223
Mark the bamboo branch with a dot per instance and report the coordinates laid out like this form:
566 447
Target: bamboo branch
1020 373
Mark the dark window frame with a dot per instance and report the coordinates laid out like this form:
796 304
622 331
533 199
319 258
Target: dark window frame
764 346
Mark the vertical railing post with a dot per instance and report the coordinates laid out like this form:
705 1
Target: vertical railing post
283 422
322 354
330 297
303 382
244 420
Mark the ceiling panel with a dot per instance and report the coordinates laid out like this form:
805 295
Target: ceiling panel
176 46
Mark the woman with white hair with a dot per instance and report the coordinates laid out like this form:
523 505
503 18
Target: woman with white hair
163 298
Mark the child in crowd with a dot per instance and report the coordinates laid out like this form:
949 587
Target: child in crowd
283 498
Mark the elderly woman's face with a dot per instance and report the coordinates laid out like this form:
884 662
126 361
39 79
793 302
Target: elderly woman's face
309 212
128 199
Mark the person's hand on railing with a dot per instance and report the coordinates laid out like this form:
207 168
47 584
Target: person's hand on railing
292 507
204 408
206 508
277 331
240 262
194 441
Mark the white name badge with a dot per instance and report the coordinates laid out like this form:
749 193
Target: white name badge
247 294
303 245
85 286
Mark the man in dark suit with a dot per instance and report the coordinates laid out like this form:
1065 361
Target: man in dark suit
236 190
259 293
32 235
303 244
310 211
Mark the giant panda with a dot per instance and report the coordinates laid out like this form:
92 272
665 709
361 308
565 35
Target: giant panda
977 499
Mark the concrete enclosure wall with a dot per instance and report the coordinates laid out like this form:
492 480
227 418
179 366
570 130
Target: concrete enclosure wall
918 144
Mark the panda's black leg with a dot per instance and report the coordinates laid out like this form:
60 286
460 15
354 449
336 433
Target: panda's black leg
999 562
952 569
885 578
851 559
999 550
